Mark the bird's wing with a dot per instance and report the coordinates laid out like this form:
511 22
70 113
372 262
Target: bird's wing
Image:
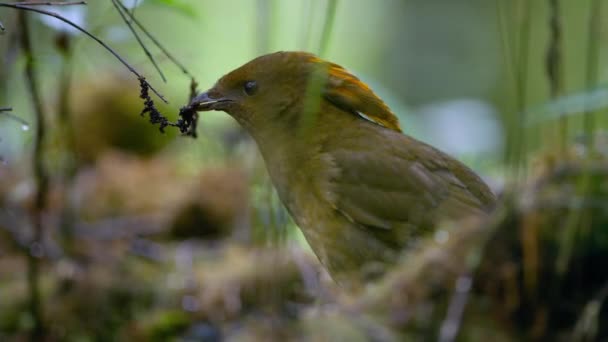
403 183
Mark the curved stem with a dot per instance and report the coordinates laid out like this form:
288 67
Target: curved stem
90 35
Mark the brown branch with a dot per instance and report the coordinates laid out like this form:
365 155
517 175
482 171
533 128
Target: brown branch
90 35
42 183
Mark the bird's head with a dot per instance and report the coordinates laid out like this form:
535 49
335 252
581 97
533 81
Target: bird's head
285 86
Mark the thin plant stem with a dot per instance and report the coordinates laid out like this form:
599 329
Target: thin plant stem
519 156
330 15
591 68
554 67
509 61
42 184
90 35
67 134
155 41
503 31
139 41
575 222
515 48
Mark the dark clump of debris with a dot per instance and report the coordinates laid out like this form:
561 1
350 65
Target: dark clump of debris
188 116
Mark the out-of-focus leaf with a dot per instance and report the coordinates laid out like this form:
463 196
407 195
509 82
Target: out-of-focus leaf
569 105
181 6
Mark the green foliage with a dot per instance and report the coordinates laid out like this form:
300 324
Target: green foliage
182 6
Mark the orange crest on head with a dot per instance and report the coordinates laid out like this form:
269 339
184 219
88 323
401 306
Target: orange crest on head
347 92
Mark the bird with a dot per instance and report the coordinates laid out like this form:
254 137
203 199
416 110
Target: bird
361 191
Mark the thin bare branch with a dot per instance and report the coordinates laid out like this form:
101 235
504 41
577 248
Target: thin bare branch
120 10
554 65
41 178
59 17
155 41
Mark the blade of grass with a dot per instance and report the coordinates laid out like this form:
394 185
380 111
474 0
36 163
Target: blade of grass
42 180
520 144
515 47
509 62
593 38
505 37
554 68
330 15
576 222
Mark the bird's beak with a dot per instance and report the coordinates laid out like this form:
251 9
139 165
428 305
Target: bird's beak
207 101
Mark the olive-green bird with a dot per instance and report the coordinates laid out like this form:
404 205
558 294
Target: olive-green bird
360 190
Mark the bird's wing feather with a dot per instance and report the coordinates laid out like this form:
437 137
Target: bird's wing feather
403 183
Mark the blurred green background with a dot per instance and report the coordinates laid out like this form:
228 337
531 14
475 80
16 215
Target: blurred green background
134 216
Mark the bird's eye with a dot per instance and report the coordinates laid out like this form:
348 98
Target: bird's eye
250 87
